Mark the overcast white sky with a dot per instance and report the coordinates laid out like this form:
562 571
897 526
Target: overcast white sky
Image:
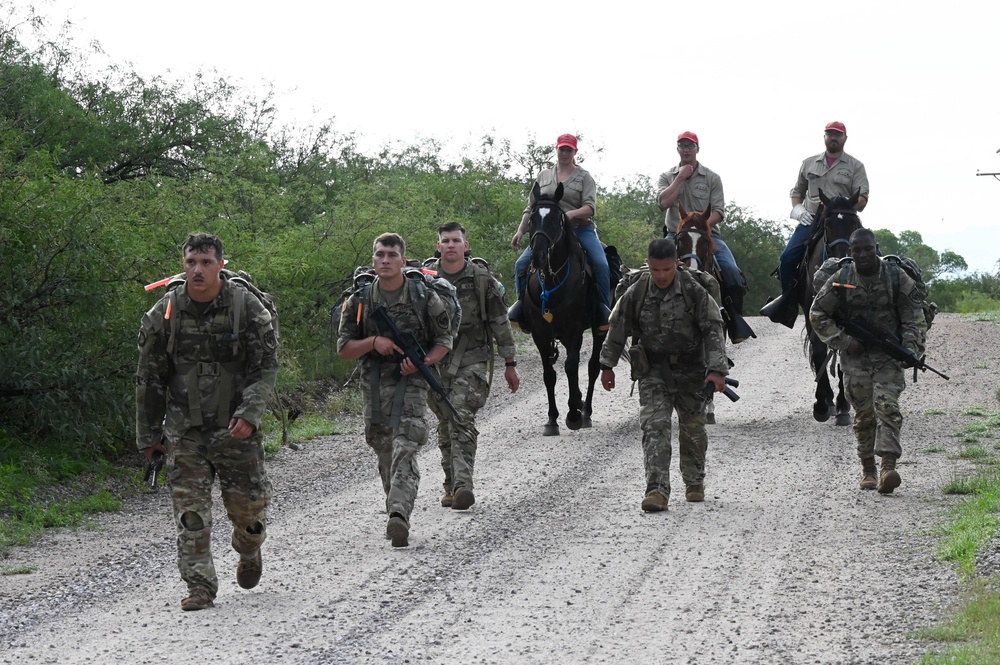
915 82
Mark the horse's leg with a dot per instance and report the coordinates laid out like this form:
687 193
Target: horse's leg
593 371
549 353
574 417
843 407
823 406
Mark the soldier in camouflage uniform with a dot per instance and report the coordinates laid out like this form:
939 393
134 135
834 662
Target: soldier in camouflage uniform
464 372
395 392
680 350
864 288
201 388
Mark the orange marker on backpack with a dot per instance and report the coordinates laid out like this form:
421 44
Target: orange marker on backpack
170 306
844 286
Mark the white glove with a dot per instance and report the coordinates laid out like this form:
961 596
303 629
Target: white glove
800 214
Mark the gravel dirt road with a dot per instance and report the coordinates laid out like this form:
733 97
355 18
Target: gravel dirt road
786 561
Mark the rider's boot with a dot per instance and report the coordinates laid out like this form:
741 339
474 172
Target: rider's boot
516 316
516 313
739 329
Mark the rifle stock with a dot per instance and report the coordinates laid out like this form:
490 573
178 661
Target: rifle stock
412 350
871 336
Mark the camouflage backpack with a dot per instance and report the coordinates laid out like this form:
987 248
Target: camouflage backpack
631 276
418 282
830 267
913 270
240 279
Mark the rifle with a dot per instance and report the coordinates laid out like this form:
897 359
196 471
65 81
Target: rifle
709 390
412 350
870 336
153 466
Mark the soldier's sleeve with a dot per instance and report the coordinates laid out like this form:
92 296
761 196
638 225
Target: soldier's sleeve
261 361
350 328
498 322
910 311
439 321
152 377
825 305
620 328
709 322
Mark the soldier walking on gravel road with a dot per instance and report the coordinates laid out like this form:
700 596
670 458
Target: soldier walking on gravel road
680 349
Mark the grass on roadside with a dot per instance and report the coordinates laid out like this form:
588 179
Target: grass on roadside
975 629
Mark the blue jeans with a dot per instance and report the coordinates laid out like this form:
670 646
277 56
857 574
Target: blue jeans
595 255
724 259
793 254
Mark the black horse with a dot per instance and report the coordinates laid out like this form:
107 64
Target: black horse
836 220
559 307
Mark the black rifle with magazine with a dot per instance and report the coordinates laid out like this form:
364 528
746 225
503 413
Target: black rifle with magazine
412 350
872 337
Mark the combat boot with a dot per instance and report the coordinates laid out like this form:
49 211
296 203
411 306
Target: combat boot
398 530
695 493
869 474
889 479
198 599
464 498
447 499
249 569
654 502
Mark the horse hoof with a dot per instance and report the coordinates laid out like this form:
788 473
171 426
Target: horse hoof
844 419
586 422
821 412
574 421
551 430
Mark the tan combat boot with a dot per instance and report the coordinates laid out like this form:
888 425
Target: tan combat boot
198 599
447 499
654 502
869 474
695 493
889 479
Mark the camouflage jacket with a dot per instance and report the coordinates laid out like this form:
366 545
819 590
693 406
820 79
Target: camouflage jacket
477 288
431 327
874 301
668 326
207 375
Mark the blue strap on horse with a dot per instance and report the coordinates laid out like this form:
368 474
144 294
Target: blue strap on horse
548 292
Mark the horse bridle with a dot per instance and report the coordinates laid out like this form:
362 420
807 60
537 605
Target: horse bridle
828 245
552 240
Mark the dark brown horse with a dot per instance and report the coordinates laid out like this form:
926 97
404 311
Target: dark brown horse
559 307
836 220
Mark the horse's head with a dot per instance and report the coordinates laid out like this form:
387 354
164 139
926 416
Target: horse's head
839 220
546 225
695 245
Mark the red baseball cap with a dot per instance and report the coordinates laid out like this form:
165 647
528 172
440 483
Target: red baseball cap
688 136
836 126
566 139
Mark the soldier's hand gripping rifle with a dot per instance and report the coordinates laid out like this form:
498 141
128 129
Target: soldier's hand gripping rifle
153 466
412 350
872 337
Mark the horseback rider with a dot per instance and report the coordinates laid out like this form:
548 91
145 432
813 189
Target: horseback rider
837 174
696 188
579 203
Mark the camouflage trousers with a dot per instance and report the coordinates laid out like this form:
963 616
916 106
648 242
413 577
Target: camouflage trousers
396 444
873 391
192 465
458 437
656 407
